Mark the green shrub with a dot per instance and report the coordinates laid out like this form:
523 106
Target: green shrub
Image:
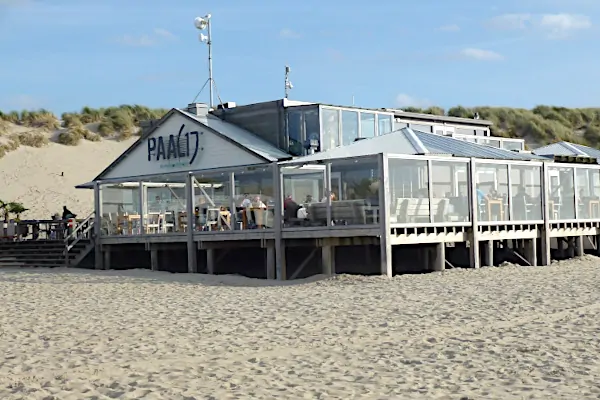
70 137
105 129
31 139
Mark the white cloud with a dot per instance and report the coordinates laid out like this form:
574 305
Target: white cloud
561 25
164 33
159 35
449 28
404 100
553 26
287 33
481 55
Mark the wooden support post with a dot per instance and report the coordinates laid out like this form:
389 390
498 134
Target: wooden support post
280 266
474 206
579 252
192 250
571 246
210 261
106 250
154 263
385 246
530 251
439 261
98 256
545 257
489 253
598 245
271 262
560 247
328 260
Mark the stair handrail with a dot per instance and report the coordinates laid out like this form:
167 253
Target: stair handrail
79 232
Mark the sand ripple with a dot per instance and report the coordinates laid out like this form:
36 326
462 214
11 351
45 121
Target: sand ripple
497 333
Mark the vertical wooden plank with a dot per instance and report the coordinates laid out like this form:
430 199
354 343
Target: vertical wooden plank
154 259
280 266
545 233
210 261
474 202
191 246
385 246
98 256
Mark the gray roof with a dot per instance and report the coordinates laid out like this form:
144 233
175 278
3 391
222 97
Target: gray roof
460 148
410 142
403 141
234 134
241 136
568 149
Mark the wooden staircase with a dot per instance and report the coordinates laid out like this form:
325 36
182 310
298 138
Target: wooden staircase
42 253
68 252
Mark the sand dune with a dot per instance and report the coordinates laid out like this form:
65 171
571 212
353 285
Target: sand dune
494 333
32 176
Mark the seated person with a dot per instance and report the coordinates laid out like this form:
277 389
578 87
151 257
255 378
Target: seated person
257 203
246 203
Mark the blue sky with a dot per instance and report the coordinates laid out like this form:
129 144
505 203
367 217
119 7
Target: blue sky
65 54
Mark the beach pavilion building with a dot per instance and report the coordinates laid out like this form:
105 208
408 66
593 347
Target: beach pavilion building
287 189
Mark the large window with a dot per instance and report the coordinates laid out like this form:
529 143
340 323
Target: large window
349 127
450 191
311 126
492 191
121 208
295 145
561 196
331 128
367 125
526 192
384 123
588 191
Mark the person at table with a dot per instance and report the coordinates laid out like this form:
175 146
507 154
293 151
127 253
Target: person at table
246 203
257 203
520 203
309 199
332 196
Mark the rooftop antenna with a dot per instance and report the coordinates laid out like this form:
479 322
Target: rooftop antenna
288 83
201 24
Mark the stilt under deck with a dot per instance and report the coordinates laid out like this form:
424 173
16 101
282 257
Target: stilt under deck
306 252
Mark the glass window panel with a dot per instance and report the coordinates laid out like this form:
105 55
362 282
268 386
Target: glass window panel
512 145
480 132
367 125
355 192
331 128
421 128
302 187
492 192
296 145
213 204
254 199
384 123
349 127
409 192
561 196
165 208
312 127
588 191
465 131
450 191
121 209
526 188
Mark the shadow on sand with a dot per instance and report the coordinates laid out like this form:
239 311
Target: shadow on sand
86 276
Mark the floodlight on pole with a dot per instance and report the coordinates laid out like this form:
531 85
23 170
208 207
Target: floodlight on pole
288 83
202 23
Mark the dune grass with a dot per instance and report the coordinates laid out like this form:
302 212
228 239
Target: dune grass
541 125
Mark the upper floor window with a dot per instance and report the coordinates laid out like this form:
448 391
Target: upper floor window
384 123
331 128
367 125
349 127
295 145
421 128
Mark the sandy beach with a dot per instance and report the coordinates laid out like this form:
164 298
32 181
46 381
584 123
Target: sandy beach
494 333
